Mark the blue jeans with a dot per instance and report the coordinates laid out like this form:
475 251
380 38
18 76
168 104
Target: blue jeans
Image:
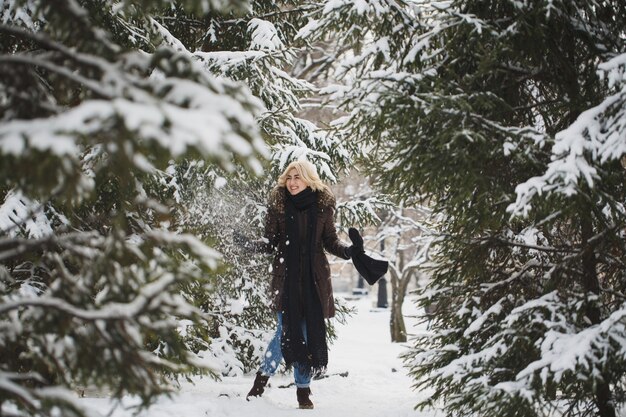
273 356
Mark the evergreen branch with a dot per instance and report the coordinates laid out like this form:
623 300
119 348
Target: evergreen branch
202 24
425 100
82 16
114 311
617 294
533 263
549 218
529 246
281 12
50 44
63 71
19 392
80 58
180 20
11 248
613 258
323 64
24 96
537 104
33 210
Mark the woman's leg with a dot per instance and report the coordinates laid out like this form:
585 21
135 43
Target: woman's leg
270 363
273 354
302 372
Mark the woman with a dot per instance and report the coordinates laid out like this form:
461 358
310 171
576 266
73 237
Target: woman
298 227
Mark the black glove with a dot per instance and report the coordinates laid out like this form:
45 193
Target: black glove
357 242
369 268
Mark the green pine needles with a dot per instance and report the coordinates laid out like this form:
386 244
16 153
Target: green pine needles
507 118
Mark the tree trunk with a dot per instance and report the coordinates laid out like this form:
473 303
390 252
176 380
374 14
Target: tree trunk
592 284
382 285
399 286
398 329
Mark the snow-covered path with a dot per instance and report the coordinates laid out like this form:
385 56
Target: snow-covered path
376 384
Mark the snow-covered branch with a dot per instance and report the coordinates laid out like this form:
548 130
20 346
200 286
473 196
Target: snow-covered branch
598 136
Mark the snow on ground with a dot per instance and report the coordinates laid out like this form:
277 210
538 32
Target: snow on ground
376 383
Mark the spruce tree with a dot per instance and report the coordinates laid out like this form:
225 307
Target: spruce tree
460 102
95 109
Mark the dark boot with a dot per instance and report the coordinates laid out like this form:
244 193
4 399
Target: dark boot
303 398
259 385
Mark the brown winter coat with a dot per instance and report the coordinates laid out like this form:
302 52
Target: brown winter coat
325 238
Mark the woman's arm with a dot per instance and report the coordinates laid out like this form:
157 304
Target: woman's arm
269 243
266 244
329 237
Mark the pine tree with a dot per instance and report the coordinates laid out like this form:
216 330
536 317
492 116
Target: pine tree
458 103
95 107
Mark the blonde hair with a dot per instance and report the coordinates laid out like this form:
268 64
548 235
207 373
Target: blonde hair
308 174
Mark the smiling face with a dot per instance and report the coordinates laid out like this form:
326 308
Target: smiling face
294 182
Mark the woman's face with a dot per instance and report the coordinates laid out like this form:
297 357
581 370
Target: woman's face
294 183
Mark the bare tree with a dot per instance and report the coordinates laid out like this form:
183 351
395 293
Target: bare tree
407 240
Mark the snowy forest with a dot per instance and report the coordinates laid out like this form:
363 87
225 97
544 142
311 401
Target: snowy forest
488 138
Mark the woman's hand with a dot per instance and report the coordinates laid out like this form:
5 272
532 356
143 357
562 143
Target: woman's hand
357 242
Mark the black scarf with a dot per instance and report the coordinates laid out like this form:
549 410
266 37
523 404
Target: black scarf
300 297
